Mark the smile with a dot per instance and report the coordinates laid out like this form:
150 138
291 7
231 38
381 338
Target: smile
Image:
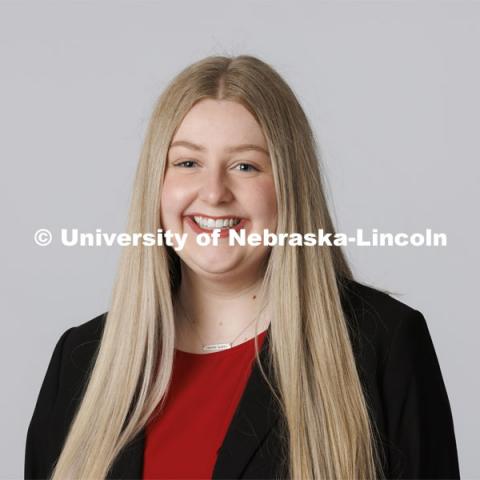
201 224
210 223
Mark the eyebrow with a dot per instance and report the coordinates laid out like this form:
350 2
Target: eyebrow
237 148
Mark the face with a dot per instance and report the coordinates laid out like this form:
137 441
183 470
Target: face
218 167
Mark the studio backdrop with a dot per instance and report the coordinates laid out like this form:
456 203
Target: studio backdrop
390 88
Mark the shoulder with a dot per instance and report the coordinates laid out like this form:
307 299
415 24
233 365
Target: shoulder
90 330
60 394
365 300
403 382
81 343
377 322
78 355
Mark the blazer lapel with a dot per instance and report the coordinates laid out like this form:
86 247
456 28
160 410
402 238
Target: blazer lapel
253 420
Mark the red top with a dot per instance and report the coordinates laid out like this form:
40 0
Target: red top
182 442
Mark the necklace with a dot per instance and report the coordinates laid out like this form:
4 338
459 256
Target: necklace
212 347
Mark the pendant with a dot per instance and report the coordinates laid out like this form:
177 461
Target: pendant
216 346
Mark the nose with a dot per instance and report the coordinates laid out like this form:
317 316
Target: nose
214 188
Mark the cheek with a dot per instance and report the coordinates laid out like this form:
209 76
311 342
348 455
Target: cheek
262 201
174 199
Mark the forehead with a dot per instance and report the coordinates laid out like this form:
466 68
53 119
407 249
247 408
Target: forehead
219 123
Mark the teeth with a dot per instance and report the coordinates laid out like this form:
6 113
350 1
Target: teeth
210 223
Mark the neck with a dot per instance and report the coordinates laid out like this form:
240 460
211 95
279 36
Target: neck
217 311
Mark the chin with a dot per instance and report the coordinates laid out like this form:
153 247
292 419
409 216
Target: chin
214 263
214 272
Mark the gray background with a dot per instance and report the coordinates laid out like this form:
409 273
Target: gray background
391 89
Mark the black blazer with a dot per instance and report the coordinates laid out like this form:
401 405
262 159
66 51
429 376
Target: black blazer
399 372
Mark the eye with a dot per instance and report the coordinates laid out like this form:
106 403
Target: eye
249 167
185 162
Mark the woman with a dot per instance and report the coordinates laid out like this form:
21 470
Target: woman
239 361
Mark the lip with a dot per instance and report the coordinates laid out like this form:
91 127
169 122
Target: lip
223 233
224 217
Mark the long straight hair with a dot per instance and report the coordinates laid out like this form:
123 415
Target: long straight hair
327 428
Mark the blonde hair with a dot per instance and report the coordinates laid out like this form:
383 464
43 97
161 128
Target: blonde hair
326 422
